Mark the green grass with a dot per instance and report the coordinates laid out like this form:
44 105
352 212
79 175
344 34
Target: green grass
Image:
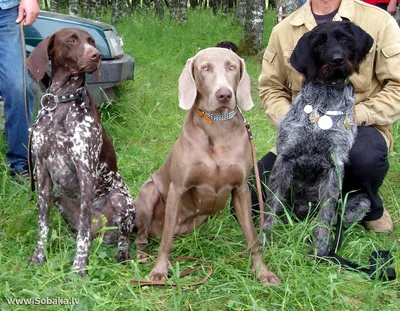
143 124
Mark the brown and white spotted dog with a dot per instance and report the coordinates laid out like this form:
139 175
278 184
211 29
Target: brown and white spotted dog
73 152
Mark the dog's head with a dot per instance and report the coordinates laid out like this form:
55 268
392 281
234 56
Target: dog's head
215 79
331 52
228 45
69 49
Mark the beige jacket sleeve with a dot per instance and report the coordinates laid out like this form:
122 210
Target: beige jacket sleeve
383 108
275 95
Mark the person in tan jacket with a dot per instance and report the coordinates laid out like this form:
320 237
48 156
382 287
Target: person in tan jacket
377 93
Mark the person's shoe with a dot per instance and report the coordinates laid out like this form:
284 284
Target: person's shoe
381 225
20 176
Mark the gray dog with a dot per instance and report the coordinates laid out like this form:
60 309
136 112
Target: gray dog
317 133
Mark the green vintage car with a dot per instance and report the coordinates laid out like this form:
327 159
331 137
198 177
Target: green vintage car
116 65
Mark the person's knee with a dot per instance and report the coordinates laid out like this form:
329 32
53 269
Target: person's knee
367 159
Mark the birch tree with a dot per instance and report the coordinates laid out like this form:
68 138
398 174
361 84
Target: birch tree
285 7
215 5
250 44
147 4
91 9
53 5
241 11
159 9
178 10
73 7
117 10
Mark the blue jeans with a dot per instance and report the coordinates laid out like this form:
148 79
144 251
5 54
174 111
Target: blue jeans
12 91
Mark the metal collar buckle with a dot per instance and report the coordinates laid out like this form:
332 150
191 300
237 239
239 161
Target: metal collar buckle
60 99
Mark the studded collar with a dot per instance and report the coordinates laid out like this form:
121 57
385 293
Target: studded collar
50 101
213 117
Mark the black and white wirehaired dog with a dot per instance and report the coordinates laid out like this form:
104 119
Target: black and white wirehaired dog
317 133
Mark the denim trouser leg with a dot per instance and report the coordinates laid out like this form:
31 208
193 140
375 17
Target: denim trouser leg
11 89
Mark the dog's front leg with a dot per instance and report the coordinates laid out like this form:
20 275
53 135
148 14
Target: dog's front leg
125 218
174 199
86 179
45 186
322 230
329 193
241 200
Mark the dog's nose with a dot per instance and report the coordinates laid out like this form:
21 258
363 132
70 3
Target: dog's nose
95 55
337 60
223 95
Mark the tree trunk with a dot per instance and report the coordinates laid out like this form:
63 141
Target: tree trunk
215 5
193 3
85 8
183 11
225 7
147 4
241 11
73 7
285 7
172 9
251 42
135 4
159 9
117 10
91 9
96 10
53 5
178 10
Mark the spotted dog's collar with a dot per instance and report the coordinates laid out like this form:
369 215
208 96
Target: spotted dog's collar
323 118
54 100
213 117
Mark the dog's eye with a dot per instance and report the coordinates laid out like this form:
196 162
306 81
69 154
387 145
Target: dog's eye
342 40
71 40
205 68
232 67
91 41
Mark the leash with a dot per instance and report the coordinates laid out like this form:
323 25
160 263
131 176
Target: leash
379 259
27 114
186 272
256 171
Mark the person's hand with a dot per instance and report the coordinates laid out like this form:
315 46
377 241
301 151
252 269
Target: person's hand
30 9
392 6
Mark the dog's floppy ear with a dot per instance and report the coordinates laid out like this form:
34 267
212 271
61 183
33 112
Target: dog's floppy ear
301 59
243 92
38 60
363 42
187 87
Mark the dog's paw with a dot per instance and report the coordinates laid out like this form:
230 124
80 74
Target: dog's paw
267 278
159 272
38 258
123 256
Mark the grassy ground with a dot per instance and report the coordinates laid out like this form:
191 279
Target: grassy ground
143 124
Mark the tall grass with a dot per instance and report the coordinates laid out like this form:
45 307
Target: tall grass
143 124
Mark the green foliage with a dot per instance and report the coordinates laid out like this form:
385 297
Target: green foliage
143 124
